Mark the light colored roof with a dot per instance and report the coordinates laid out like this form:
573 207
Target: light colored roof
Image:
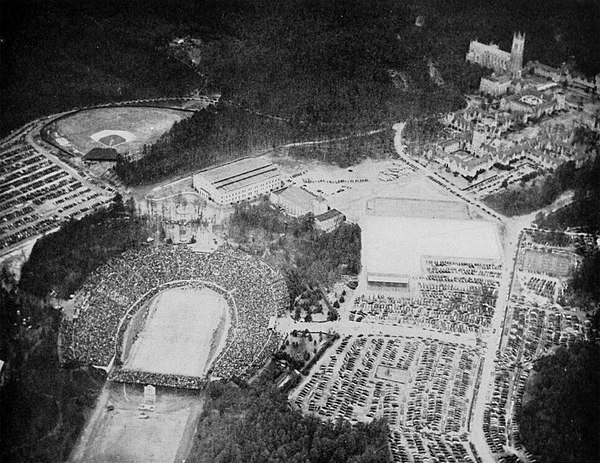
299 196
239 174
387 278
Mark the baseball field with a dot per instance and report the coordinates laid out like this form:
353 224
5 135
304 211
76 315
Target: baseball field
126 129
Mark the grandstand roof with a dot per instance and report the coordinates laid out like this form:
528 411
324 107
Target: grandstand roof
387 278
102 154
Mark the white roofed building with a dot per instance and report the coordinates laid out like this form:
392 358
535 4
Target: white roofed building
237 181
298 201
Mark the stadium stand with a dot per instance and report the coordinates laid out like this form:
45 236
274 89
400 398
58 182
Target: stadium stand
113 293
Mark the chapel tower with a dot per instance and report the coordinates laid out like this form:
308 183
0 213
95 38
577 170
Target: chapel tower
516 54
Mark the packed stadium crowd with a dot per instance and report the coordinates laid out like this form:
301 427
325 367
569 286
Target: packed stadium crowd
116 291
367 375
123 375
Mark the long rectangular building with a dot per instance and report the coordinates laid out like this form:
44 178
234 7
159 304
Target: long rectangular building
237 181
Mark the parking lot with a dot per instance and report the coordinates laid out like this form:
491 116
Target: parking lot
535 325
422 386
38 193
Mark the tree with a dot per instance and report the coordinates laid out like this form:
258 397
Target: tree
561 421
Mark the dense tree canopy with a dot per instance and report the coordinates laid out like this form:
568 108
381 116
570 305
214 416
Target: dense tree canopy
42 406
214 135
312 60
560 418
519 199
256 425
61 261
584 211
307 256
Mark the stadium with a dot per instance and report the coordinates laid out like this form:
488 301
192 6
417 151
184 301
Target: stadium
168 316
125 129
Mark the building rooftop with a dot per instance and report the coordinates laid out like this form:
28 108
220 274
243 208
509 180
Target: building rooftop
502 79
299 196
238 174
102 154
328 215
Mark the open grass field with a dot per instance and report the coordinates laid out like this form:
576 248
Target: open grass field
119 435
126 129
412 207
396 245
561 265
182 332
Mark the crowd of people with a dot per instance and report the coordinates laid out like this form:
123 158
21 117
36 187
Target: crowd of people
123 375
114 292
421 386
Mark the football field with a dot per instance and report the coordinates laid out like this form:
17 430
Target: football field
181 333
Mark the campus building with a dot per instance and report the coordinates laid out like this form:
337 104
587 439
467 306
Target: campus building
330 220
298 201
502 62
495 85
236 181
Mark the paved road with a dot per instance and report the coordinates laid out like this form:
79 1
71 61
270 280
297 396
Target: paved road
487 377
347 327
433 176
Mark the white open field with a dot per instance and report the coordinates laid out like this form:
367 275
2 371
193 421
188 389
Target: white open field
395 245
179 332
349 189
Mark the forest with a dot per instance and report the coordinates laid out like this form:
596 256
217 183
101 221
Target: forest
560 417
209 137
307 60
254 424
42 405
350 151
307 256
584 211
523 198
60 262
